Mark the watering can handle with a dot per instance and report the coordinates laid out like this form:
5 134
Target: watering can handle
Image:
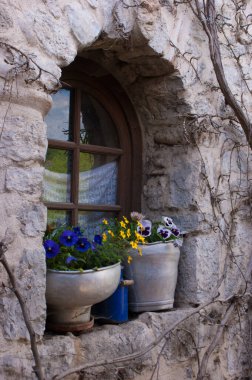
126 282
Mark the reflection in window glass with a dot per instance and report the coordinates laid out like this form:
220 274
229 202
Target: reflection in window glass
98 179
57 177
97 127
58 217
58 119
91 221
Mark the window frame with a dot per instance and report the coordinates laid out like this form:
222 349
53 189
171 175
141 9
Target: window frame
109 94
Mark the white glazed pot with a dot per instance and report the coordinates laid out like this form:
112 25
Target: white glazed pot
155 277
70 295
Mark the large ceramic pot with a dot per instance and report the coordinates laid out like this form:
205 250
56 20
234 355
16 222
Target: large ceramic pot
155 277
70 295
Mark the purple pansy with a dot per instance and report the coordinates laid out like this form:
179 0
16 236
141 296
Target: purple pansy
83 244
77 231
98 239
164 232
70 258
175 231
52 249
68 238
145 228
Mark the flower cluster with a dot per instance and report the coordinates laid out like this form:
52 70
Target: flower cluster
125 231
164 231
69 248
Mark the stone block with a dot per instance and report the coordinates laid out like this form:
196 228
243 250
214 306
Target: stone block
26 142
33 219
83 23
6 21
28 181
30 275
53 37
199 269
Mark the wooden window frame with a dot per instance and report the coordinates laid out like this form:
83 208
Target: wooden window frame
111 96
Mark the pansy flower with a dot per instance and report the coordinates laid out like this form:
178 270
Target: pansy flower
175 231
70 258
164 232
77 231
52 249
68 238
145 228
168 222
83 245
98 239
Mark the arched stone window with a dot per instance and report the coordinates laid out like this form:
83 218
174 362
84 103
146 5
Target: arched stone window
93 163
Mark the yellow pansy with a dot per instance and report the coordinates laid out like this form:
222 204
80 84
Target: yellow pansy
140 225
104 236
123 225
129 259
122 234
139 237
128 233
111 233
125 220
105 221
133 244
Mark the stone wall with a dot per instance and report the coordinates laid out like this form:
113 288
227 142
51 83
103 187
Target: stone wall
197 169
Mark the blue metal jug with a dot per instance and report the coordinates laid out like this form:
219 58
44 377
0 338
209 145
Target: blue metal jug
115 308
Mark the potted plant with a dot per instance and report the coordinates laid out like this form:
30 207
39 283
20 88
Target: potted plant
155 272
82 272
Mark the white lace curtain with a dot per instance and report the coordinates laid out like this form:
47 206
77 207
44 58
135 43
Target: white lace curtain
96 186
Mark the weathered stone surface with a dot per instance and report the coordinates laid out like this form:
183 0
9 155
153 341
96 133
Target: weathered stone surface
84 24
157 53
27 180
30 276
171 136
33 219
24 143
53 36
60 353
6 21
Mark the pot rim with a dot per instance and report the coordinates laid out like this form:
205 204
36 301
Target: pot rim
84 271
158 242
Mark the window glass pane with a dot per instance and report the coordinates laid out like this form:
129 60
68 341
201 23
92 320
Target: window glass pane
57 177
97 127
58 217
58 119
91 221
98 179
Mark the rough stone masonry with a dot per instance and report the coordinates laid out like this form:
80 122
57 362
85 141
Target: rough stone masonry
196 169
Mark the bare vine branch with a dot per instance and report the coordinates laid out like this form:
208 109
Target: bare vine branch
207 17
38 367
203 366
138 354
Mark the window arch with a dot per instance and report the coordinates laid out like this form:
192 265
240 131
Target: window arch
93 164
